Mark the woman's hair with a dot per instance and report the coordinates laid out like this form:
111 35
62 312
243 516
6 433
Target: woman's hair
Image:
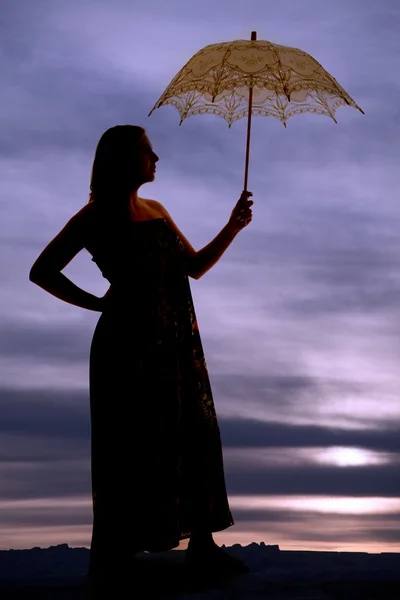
113 173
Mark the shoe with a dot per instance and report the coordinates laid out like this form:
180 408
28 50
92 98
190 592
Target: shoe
214 559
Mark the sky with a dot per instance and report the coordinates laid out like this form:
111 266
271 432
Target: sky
299 319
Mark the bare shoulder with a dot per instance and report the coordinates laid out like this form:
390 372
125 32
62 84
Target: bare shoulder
78 227
85 214
157 208
81 219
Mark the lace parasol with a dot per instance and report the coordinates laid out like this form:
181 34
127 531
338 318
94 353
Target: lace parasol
253 77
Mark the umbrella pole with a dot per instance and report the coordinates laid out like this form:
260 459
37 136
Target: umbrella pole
246 169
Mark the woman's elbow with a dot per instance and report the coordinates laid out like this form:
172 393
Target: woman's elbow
33 275
194 275
192 267
37 275
190 272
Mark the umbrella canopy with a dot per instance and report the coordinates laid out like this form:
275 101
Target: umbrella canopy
253 77
286 81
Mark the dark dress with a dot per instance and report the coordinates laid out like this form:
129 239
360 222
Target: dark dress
157 464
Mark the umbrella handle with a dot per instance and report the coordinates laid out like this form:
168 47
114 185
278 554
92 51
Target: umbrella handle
246 169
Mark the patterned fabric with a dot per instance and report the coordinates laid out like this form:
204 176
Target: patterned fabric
157 464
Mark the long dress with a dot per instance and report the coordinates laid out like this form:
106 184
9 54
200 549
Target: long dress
156 454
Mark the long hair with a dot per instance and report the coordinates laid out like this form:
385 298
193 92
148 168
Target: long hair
113 172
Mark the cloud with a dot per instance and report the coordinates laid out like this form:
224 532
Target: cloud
242 433
53 414
45 341
332 481
61 479
45 413
48 434
292 530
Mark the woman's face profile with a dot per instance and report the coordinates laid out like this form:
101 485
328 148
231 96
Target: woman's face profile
146 159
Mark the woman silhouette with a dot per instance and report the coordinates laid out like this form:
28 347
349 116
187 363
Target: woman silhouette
156 456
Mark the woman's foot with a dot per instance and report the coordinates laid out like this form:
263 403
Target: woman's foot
211 557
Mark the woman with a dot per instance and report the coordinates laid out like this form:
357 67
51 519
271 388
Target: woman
157 467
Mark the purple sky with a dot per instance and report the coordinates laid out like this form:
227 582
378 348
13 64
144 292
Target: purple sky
300 318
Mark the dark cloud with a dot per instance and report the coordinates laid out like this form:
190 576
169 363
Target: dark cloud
45 342
347 260
56 479
316 480
380 527
45 413
65 110
65 414
67 478
313 517
243 433
299 395
62 99
48 434
49 517
31 448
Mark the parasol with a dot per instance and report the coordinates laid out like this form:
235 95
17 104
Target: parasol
253 77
